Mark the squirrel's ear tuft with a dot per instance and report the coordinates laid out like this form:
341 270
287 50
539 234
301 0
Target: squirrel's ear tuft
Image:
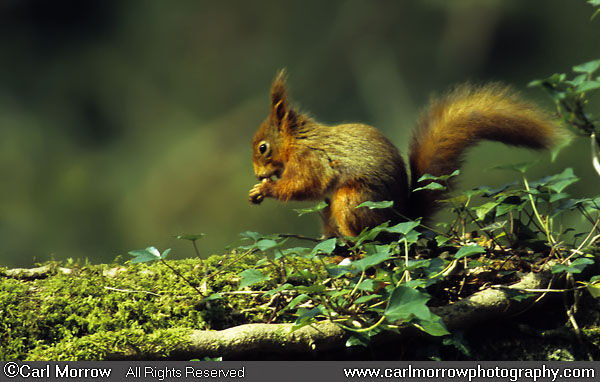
280 109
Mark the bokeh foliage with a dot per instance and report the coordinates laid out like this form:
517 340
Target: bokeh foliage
123 123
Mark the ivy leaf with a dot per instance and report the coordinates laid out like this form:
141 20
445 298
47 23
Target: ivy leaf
148 254
368 285
562 180
368 234
588 67
375 255
495 225
266 244
358 340
338 271
298 251
366 298
303 211
252 276
577 266
483 210
441 240
587 86
468 250
406 303
376 205
306 316
214 296
190 237
522 296
326 247
256 236
280 288
297 300
594 289
404 228
433 326
441 177
430 186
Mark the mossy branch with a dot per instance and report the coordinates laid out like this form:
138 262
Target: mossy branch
251 341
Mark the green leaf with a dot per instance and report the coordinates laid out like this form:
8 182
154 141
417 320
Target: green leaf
148 254
214 296
430 186
406 303
577 266
326 247
506 207
369 234
578 80
377 205
367 298
252 276
588 67
433 326
587 86
315 288
303 211
484 209
266 244
416 264
522 296
494 226
306 316
280 288
595 3
594 289
441 177
441 240
190 237
297 300
337 271
495 191
358 340
404 228
468 250
367 285
535 83
562 180
256 236
376 254
298 251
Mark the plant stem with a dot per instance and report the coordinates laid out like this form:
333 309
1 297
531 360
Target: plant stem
182 276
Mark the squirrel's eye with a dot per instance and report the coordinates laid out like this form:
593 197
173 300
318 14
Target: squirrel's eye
263 148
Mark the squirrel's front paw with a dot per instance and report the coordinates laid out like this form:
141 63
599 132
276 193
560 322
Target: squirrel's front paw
260 191
255 195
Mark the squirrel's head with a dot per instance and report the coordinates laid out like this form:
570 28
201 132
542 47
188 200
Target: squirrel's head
275 133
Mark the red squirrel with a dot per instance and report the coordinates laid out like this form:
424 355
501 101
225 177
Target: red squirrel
298 158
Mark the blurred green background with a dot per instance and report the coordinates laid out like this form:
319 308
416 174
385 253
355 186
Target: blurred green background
123 123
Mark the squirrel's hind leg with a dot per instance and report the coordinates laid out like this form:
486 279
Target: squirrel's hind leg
350 221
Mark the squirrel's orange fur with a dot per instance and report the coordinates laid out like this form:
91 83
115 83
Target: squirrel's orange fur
297 158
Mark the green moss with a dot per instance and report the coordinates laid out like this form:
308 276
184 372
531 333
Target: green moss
93 311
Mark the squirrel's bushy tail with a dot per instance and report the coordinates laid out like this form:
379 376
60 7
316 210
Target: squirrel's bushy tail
464 117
